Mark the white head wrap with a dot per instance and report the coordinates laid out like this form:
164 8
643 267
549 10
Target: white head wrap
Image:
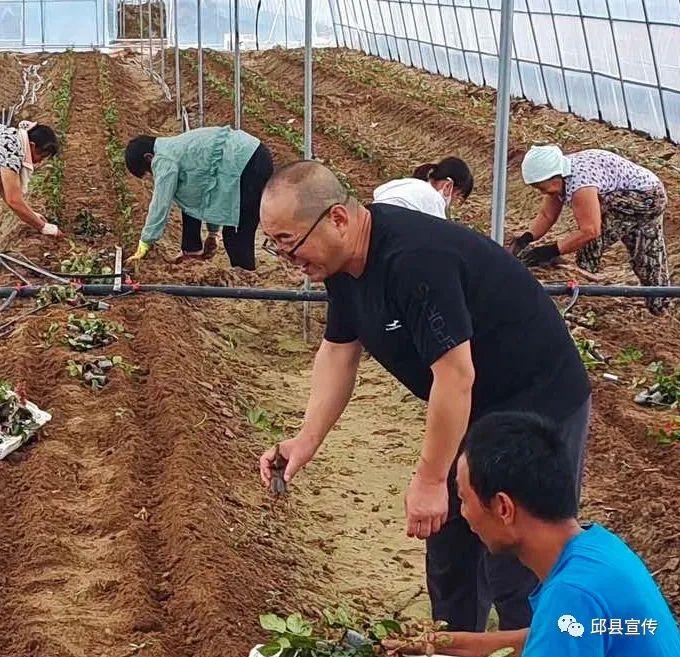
544 162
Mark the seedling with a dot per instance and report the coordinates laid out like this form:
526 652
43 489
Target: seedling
19 418
667 434
84 334
627 356
590 356
259 418
88 263
94 371
85 224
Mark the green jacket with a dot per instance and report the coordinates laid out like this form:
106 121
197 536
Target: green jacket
200 170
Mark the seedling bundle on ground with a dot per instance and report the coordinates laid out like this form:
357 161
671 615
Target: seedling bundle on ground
19 418
95 371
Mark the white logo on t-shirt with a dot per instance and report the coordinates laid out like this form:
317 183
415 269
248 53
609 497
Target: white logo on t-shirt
567 623
393 325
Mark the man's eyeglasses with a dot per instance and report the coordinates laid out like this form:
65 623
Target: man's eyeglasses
270 245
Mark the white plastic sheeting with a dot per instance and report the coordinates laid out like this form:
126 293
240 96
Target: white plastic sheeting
280 22
616 60
54 24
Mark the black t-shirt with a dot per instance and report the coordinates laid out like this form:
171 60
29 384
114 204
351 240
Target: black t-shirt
430 285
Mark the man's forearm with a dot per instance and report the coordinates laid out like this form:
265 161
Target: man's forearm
333 378
448 414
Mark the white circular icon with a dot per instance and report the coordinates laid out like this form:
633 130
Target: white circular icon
565 621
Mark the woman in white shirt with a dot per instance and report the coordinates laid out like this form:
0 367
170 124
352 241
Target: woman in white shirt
431 188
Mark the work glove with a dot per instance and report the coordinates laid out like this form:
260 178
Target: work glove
540 255
139 254
519 243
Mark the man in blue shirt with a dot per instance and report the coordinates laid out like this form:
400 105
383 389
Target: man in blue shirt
596 597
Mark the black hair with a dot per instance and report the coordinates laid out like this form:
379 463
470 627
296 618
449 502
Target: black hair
135 151
449 167
521 454
45 140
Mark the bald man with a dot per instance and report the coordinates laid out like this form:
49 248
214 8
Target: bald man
463 325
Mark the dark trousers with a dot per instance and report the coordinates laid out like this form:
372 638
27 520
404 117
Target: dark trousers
239 242
464 579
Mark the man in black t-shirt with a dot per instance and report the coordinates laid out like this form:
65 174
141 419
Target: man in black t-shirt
461 324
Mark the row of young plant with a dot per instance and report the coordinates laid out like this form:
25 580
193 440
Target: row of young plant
352 143
254 108
115 153
49 182
658 388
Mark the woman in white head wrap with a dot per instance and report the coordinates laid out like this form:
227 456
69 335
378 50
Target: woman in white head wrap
21 150
612 199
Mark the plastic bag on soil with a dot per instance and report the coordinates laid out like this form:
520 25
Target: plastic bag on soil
18 421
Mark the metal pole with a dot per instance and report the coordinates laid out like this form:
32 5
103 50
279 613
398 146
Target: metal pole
148 2
141 33
502 122
162 21
42 23
231 28
285 22
237 68
308 133
23 22
200 64
178 83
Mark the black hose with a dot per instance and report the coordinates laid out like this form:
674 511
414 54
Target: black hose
282 294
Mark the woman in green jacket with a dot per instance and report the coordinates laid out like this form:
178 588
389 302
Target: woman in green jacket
215 175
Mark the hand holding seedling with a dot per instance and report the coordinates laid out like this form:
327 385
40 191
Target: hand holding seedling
285 459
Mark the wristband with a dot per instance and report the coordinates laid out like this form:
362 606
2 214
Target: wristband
49 229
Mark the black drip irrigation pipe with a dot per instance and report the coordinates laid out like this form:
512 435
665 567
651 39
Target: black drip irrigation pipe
282 294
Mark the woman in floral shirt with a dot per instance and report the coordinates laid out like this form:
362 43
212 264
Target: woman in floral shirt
612 199
21 150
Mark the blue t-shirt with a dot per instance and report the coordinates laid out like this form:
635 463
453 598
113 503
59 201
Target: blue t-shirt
599 600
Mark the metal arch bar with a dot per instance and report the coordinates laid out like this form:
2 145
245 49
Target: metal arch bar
502 122
347 25
618 64
365 30
384 30
479 48
446 43
394 57
559 57
150 13
462 45
538 57
178 80
141 34
237 67
429 31
330 7
199 44
408 42
309 89
298 295
590 61
656 72
417 39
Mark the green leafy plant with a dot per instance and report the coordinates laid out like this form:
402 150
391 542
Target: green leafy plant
667 384
590 356
115 153
15 419
297 637
94 372
86 333
86 262
54 294
49 182
51 334
86 225
628 355
260 419
667 434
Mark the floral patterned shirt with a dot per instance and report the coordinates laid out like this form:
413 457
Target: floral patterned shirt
11 150
607 171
